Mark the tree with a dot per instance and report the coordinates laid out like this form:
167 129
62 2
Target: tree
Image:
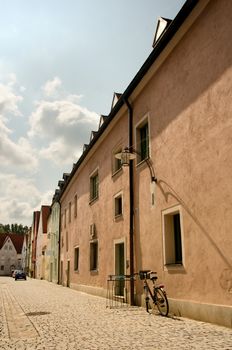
13 228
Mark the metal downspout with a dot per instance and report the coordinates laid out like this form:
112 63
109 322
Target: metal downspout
58 282
131 190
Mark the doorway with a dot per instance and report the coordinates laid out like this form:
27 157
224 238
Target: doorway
68 273
119 268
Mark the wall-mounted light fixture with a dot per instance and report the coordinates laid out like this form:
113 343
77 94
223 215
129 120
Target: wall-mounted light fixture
129 154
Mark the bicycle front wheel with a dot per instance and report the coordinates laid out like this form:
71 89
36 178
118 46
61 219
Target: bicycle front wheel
162 302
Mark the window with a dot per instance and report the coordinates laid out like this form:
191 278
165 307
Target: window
76 259
6 247
2 267
66 241
93 256
69 212
62 221
118 205
65 213
117 165
75 206
94 185
142 137
173 235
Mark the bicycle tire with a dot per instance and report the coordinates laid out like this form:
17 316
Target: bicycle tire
162 302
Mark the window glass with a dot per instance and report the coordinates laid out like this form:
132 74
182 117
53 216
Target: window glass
173 245
94 184
76 259
118 206
93 256
75 206
144 142
117 165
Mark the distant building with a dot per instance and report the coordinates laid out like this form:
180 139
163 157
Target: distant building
32 244
10 253
41 242
52 249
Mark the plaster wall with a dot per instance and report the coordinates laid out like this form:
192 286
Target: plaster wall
100 212
188 101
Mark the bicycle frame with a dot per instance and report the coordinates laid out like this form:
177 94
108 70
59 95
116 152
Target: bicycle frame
158 295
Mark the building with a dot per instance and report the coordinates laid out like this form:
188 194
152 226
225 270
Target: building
24 261
10 253
169 210
41 242
52 250
32 242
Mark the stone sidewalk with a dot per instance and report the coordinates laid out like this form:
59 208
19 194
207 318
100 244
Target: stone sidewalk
40 315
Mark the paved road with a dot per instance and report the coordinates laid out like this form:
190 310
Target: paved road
40 315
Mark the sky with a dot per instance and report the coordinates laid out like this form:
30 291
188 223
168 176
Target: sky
60 63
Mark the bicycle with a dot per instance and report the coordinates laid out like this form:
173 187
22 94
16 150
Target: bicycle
158 296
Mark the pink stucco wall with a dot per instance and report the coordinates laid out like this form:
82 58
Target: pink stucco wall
188 104
100 212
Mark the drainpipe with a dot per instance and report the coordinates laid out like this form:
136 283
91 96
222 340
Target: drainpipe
131 190
58 282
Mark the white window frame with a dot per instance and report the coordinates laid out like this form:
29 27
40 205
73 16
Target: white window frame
91 176
77 247
119 241
138 126
115 161
116 196
91 269
168 239
75 205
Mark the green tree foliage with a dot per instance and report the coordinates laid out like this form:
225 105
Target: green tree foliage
13 228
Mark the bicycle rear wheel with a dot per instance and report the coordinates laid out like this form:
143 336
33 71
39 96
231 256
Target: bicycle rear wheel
162 302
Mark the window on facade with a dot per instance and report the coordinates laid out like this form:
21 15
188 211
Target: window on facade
69 212
117 165
6 247
10 247
93 256
76 259
66 241
62 221
94 186
118 206
142 136
65 214
75 206
2 267
172 238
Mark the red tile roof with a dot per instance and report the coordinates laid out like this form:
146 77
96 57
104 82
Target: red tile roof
16 239
45 209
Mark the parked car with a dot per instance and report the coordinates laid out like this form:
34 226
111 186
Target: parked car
20 275
13 273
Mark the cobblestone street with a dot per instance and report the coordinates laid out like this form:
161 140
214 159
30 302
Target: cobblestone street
38 315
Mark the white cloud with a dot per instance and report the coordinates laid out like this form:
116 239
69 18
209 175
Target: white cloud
51 87
17 155
65 125
60 152
19 198
9 101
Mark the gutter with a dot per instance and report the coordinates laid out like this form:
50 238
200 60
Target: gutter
131 190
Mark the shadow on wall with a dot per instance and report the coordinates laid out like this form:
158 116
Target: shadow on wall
226 274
